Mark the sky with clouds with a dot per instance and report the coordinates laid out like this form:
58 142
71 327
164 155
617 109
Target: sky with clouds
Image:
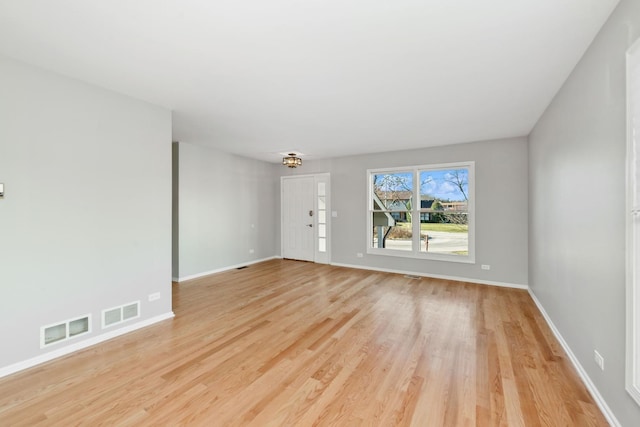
435 183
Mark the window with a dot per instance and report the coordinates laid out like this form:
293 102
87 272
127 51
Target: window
422 212
322 217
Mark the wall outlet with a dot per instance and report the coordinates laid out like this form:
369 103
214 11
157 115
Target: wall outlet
155 296
359 255
251 251
598 359
485 267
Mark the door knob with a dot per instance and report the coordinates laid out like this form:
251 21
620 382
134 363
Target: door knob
309 225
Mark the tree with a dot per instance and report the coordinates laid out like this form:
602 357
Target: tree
458 178
394 189
437 206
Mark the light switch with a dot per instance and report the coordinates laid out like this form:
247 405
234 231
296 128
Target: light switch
1 191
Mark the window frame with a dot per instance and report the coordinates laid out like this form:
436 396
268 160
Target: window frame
415 252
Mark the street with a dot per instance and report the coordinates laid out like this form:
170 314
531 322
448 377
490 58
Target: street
440 242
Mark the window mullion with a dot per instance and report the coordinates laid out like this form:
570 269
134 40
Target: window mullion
415 212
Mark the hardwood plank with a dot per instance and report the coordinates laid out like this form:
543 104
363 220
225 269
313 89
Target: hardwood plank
291 343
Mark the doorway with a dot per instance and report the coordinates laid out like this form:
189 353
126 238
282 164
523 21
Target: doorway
306 217
633 222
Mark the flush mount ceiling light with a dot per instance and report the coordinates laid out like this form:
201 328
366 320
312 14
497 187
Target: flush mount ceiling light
292 161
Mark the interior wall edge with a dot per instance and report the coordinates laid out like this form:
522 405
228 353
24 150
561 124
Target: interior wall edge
593 390
435 276
220 270
81 345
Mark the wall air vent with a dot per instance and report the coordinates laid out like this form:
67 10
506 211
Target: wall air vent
122 313
112 316
78 326
62 331
130 311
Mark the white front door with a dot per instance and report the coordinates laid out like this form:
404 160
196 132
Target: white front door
306 217
633 222
297 218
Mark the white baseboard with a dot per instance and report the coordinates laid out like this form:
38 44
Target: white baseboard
581 371
220 270
16 367
434 276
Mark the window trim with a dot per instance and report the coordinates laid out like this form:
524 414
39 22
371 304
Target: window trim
415 213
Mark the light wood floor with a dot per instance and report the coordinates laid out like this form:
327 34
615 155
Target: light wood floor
286 343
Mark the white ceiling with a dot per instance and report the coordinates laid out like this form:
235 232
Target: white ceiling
322 77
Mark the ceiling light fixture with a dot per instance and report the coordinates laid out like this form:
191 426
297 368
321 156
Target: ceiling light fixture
292 161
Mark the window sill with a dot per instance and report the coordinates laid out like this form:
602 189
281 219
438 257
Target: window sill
469 259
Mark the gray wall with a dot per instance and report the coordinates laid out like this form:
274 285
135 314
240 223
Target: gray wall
228 205
86 219
577 200
501 208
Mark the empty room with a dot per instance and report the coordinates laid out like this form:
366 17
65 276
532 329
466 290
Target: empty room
320 213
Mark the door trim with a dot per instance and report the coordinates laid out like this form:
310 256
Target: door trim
632 374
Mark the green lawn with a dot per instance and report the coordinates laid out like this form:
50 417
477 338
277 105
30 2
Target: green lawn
436 226
450 228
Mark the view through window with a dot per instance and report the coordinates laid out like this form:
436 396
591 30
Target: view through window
422 211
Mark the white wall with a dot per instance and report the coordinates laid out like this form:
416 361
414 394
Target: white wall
86 219
577 218
228 205
501 208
